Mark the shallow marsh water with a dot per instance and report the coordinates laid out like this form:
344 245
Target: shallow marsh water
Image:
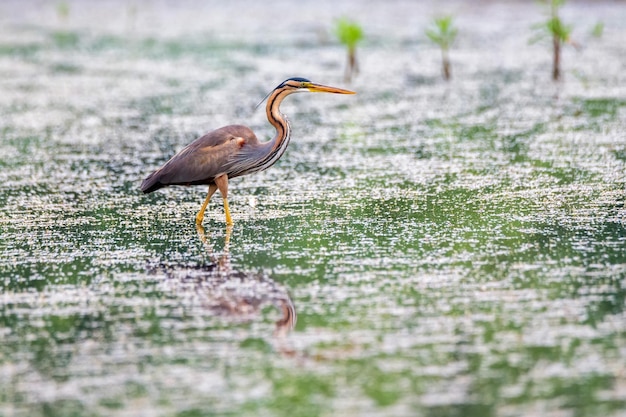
448 249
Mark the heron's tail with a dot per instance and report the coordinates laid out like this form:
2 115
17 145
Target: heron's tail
151 183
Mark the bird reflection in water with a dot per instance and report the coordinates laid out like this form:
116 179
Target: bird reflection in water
236 295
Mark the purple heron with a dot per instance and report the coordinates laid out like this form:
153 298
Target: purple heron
232 151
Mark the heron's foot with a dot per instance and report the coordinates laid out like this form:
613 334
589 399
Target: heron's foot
200 215
201 232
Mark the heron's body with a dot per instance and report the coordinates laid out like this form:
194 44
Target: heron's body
197 163
231 151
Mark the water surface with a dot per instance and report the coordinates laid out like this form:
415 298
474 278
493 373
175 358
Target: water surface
422 248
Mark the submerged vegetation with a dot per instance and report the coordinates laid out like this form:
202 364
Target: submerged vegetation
349 34
443 33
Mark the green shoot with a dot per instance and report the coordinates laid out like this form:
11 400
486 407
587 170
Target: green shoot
443 34
349 34
597 30
63 10
558 32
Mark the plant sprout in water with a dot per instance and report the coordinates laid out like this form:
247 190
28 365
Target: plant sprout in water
63 10
350 34
598 30
558 32
443 34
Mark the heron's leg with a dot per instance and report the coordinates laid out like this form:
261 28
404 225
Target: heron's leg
229 231
222 185
200 215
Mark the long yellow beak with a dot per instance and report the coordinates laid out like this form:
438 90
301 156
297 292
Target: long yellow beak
319 88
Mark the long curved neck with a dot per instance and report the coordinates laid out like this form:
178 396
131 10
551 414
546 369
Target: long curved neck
275 148
278 120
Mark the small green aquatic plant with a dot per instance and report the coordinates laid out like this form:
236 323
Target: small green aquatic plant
349 34
598 30
443 34
63 10
558 32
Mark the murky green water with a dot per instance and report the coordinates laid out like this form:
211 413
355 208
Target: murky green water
448 249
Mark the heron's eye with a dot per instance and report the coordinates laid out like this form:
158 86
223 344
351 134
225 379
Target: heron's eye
302 85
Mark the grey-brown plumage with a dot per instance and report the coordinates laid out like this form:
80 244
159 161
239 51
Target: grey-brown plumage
203 159
232 151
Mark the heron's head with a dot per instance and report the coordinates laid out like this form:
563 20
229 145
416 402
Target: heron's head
298 84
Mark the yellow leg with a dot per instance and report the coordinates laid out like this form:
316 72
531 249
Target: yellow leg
200 215
229 231
222 184
229 220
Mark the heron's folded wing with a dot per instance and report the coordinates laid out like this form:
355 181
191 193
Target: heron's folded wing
200 161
